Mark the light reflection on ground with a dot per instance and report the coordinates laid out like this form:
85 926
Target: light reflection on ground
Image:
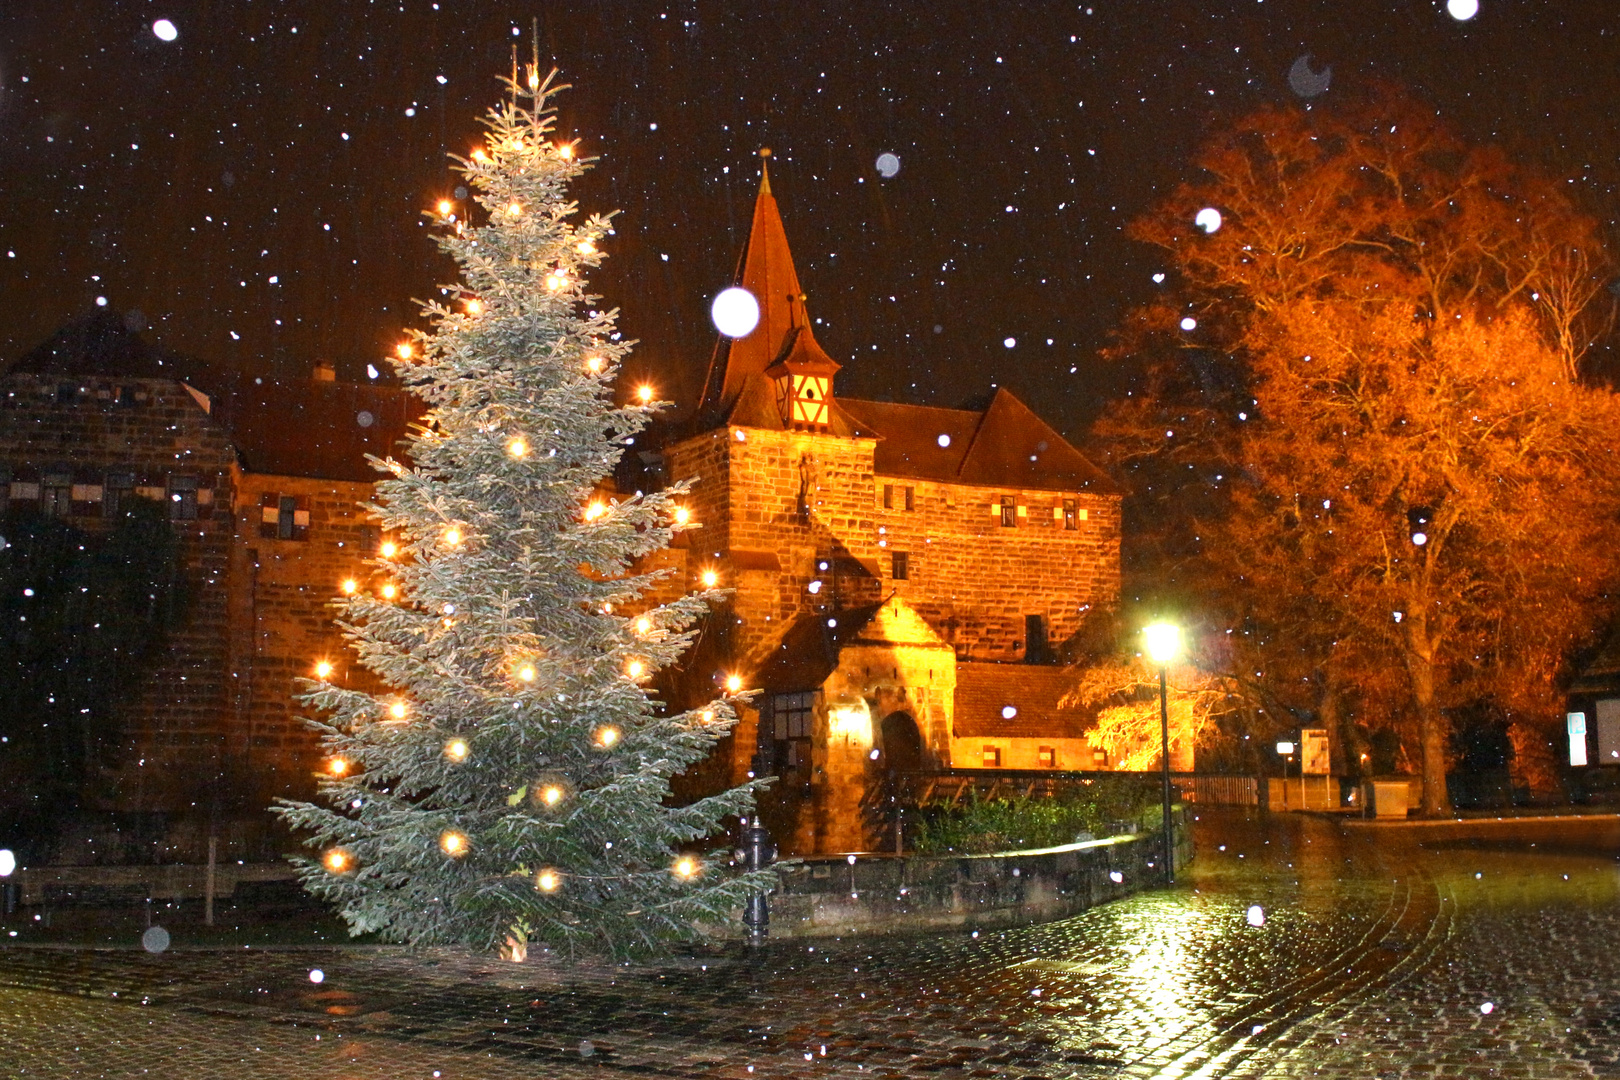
1380 949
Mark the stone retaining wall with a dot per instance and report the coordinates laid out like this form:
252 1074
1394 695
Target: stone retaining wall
877 894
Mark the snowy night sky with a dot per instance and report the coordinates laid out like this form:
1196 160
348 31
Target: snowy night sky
254 188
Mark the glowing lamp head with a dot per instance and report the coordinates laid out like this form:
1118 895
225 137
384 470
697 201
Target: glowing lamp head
734 684
644 393
534 79
515 209
517 447
337 861
635 669
595 510
526 673
398 710
551 794
389 591
475 307
388 550
565 151
456 750
452 536
593 364
710 579
445 206
338 766
348 585
1163 642
555 281
323 669
547 880
735 312
686 868
479 155
644 625
453 843
586 247
607 736
682 515
404 351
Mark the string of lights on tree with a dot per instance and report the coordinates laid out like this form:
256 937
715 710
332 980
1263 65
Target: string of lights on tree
511 783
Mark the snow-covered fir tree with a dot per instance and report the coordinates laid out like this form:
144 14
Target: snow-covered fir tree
512 786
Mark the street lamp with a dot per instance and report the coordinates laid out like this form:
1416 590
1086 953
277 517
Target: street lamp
1163 644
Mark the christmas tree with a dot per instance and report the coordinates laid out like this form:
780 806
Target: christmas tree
513 783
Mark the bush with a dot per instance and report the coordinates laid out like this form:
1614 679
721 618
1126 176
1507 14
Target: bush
982 826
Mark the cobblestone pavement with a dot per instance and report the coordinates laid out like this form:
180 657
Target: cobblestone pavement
1384 952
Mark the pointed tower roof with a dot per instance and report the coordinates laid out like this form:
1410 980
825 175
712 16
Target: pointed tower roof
784 324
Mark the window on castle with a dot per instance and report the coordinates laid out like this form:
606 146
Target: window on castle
1099 759
888 496
182 496
1047 756
791 723
1009 512
902 566
1036 650
56 494
1071 520
992 757
283 517
911 498
116 493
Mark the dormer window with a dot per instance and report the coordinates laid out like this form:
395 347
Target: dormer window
802 399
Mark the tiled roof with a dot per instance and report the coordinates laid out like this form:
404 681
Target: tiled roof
1601 675
1007 445
313 428
104 343
784 324
285 427
984 691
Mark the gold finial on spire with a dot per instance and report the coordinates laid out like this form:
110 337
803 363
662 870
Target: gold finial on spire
765 169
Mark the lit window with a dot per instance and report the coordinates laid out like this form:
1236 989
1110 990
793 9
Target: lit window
992 757
1071 520
1009 512
1047 756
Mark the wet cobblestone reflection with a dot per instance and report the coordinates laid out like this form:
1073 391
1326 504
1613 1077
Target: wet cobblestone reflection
1378 951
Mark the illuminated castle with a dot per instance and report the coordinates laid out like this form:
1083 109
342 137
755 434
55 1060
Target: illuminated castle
905 577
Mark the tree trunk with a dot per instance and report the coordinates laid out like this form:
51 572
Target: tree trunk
1431 725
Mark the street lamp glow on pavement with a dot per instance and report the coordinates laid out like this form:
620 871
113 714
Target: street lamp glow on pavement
1163 646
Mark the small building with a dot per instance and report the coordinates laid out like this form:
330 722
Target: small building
905 577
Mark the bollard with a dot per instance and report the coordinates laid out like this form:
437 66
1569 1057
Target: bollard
758 853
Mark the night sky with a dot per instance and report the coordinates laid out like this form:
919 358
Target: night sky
252 191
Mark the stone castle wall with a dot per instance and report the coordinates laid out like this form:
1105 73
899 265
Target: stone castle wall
154 435
784 510
283 615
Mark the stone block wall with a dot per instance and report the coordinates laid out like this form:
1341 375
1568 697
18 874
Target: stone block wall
784 509
282 595
919 894
156 436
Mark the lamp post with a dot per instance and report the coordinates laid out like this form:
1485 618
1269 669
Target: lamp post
1163 643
